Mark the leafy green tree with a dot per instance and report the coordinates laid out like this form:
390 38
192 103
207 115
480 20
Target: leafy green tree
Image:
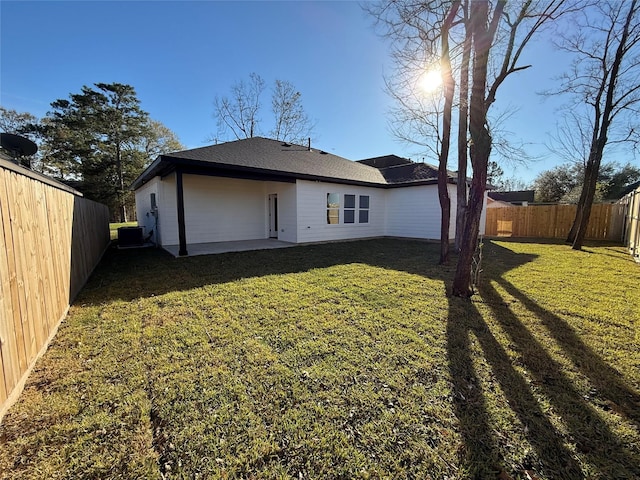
100 139
24 124
90 138
552 185
159 139
12 121
614 183
564 183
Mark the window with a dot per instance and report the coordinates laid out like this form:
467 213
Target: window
333 208
363 212
349 209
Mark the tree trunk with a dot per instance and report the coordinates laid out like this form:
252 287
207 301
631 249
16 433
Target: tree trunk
587 195
463 112
599 139
121 201
480 150
443 176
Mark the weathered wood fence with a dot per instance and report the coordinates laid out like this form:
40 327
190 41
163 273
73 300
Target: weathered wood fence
50 241
554 221
631 204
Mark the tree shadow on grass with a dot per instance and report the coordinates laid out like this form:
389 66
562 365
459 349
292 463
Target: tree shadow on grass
482 451
482 455
607 381
587 431
543 377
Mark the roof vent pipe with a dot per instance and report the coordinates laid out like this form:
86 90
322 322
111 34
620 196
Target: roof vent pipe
309 147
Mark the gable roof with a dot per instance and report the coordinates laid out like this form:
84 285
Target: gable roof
402 171
263 158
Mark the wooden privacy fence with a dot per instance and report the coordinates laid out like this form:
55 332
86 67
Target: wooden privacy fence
554 221
631 204
50 241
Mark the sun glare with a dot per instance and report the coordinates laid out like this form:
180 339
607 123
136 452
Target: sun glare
430 81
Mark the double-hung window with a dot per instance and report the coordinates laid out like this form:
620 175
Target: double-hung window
333 208
355 208
363 210
349 209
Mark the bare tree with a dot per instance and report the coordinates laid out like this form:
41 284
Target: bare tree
494 37
519 24
420 33
291 122
449 90
603 78
463 128
239 112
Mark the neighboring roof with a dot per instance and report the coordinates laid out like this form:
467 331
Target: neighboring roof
7 163
514 196
385 161
491 203
263 158
629 188
402 171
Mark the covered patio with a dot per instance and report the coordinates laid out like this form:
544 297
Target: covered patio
213 248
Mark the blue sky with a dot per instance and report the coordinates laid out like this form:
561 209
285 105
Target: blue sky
180 55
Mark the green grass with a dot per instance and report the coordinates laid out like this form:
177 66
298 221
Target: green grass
113 228
340 361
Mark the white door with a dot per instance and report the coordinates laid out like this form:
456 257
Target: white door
273 215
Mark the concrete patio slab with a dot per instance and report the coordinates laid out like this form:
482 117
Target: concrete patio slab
213 248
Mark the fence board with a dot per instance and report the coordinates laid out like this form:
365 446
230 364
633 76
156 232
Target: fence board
553 221
50 241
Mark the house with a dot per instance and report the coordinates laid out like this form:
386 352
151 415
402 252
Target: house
259 188
515 198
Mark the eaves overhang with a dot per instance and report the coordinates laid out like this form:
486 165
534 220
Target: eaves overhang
166 164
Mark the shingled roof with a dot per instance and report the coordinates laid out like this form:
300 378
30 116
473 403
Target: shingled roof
402 171
263 158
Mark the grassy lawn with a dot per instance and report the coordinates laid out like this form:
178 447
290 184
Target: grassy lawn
340 361
113 228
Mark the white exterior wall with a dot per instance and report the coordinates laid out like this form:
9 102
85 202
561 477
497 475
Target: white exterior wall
143 206
223 209
167 210
226 209
483 215
287 211
312 212
414 212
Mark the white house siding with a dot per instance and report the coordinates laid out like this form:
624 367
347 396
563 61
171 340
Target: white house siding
483 215
167 210
143 206
414 212
287 220
312 212
223 209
